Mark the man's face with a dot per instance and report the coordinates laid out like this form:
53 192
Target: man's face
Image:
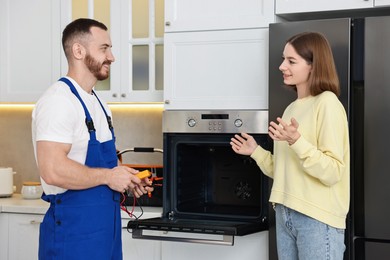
99 56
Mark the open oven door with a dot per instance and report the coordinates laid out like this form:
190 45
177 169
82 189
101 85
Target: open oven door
194 231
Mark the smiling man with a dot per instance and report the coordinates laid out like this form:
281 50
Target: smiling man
74 146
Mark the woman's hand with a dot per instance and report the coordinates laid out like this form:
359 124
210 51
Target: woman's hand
243 144
284 132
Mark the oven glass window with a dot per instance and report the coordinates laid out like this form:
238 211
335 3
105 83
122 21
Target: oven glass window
211 179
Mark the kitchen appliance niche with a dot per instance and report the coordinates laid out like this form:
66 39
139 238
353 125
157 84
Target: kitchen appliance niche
207 188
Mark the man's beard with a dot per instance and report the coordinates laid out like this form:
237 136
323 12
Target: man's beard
95 67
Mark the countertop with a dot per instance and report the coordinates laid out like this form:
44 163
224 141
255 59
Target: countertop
16 204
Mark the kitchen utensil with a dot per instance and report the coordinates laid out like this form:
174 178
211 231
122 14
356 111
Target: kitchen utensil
6 181
31 190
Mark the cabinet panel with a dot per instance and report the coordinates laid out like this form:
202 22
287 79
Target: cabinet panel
3 235
30 48
23 231
194 15
249 247
301 6
139 249
378 3
216 70
122 87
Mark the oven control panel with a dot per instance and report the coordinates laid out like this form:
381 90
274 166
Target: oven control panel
215 125
176 121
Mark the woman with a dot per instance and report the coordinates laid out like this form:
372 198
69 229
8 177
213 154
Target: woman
310 163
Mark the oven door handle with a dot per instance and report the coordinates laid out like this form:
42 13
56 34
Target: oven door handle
227 240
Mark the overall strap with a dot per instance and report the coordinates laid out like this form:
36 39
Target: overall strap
88 118
109 121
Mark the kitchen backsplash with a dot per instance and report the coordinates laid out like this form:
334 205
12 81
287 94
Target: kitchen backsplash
135 126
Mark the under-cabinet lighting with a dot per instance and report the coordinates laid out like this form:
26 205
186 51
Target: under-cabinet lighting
16 107
135 105
124 108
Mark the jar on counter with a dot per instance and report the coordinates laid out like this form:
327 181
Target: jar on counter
31 190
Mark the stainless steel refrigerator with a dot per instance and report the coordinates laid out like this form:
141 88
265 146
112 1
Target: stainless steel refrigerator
361 48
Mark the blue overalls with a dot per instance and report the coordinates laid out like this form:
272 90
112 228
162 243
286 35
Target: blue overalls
84 224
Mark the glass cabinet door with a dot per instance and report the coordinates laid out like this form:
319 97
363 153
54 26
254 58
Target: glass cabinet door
137 30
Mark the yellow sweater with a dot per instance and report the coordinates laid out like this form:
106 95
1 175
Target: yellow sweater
312 175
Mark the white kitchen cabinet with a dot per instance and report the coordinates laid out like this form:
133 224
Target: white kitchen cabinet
303 6
283 7
3 236
199 15
139 248
23 229
379 3
31 55
23 234
249 247
30 48
126 71
225 69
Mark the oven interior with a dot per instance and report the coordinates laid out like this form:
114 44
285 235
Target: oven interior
211 180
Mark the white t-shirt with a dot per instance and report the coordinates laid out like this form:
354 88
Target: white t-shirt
58 116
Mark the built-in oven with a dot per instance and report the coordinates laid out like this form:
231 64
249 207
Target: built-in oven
207 187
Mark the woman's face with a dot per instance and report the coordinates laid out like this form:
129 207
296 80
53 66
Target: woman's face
295 69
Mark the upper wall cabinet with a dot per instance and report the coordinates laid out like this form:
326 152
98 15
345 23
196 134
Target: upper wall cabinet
305 6
379 3
31 55
200 15
137 33
225 69
30 48
216 54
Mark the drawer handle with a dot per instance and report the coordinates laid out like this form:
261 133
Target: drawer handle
35 222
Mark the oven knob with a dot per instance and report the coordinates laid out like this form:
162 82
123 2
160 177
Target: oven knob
191 122
238 122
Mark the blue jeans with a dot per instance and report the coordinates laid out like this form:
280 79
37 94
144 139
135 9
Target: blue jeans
301 237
